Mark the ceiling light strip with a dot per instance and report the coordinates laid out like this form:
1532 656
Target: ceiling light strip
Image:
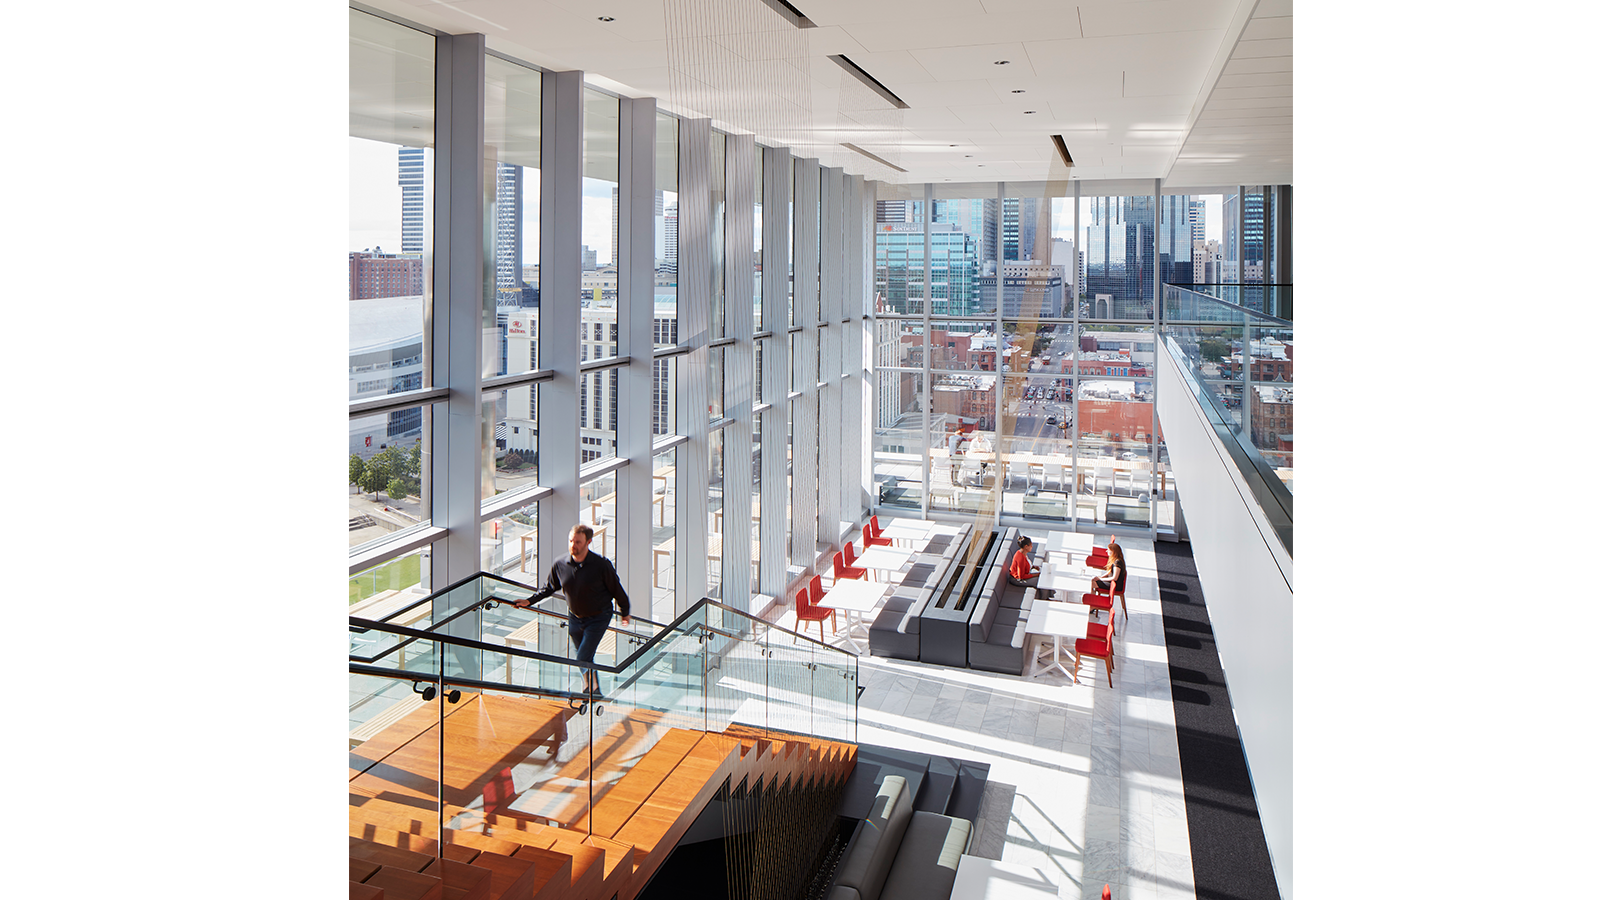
874 157
876 85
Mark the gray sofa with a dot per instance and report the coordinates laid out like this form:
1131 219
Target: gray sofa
896 632
997 638
901 854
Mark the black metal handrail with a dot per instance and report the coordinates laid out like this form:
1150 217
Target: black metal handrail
360 625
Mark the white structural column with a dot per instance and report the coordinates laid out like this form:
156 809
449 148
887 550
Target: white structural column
830 514
636 174
739 364
560 267
775 236
694 367
803 533
458 305
857 402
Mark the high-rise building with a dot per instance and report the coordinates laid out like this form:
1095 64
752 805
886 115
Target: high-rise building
1197 220
1126 246
1019 224
899 268
669 218
412 201
507 235
893 211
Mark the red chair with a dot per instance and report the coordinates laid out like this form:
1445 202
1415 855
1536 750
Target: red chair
1097 558
807 611
842 569
1094 649
1098 632
872 535
1098 601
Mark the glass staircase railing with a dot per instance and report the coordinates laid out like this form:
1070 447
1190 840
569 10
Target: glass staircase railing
467 714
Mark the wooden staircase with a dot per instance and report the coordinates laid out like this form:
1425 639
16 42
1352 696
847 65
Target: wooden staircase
545 842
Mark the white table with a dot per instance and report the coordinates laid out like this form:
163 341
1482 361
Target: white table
1062 577
909 530
1057 620
1069 544
883 559
990 879
856 598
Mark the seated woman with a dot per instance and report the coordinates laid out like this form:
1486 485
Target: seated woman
1116 572
1022 571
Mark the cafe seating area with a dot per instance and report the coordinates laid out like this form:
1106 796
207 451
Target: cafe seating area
938 593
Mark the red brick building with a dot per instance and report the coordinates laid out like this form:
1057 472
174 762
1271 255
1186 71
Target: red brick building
381 274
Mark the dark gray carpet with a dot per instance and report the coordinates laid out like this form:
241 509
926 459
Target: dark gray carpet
1225 837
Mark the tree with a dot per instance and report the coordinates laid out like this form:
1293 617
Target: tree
374 477
1213 351
397 489
357 466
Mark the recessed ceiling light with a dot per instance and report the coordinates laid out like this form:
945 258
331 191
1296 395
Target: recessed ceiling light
1002 62
952 145
607 19
1029 112
1019 91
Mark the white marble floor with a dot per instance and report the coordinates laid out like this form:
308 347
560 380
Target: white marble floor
1098 794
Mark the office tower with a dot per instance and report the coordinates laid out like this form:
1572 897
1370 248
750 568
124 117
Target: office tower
507 235
670 224
1176 240
892 211
411 199
899 268
1019 223
1126 245
590 258
375 274
1197 220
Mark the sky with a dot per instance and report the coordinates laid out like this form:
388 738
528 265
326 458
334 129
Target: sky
375 204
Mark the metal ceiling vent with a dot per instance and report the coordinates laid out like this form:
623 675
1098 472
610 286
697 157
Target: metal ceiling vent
1061 148
872 156
873 83
796 17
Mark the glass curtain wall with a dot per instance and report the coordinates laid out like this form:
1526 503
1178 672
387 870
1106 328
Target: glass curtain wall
511 135
390 257
1015 345
597 389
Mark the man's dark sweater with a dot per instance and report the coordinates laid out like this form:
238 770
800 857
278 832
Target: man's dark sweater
589 586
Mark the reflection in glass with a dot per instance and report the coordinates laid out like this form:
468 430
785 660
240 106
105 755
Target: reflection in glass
516 437
663 532
511 545
511 134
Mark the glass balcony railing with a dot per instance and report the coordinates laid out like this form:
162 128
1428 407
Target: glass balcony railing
471 717
1275 300
1240 363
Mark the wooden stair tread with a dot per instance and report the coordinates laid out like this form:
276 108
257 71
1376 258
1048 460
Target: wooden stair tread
359 891
381 855
459 880
399 884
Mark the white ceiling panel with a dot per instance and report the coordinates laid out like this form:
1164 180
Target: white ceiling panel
830 41
1156 16
1061 24
1120 80
893 68
849 12
1263 29
1259 79
948 93
1257 49
974 62
1235 93
1238 66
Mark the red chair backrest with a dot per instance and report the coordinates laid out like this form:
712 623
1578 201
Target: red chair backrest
816 590
839 564
801 604
849 552
876 528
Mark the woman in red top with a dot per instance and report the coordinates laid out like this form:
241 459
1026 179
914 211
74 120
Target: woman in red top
1022 571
